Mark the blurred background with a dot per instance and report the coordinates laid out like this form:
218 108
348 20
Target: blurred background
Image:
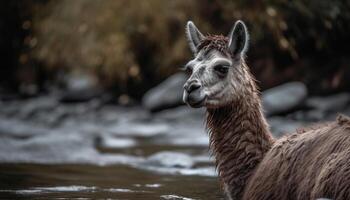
90 91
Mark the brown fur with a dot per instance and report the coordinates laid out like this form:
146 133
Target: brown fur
309 164
218 42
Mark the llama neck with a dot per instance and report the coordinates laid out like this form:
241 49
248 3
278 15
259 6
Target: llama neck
239 139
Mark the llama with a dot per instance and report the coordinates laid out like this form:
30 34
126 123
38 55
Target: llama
312 163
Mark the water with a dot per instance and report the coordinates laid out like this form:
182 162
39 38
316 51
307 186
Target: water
33 181
50 150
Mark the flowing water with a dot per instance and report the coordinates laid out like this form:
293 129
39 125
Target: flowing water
50 150
28 181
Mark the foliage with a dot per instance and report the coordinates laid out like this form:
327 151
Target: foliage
135 44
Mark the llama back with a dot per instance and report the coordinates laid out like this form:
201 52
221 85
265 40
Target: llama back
310 165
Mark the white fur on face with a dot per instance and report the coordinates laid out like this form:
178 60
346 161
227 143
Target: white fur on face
217 89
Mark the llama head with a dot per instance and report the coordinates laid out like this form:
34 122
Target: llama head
218 75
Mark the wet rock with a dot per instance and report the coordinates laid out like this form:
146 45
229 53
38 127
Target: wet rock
80 88
28 136
67 189
9 109
181 113
281 125
324 108
194 128
30 107
109 142
185 133
167 94
309 115
28 90
51 117
81 95
111 114
334 103
170 159
283 98
17 129
200 171
6 95
347 111
191 134
155 185
191 141
174 197
78 81
59 148
138 129
204 159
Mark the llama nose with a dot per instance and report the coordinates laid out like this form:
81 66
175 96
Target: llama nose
192 86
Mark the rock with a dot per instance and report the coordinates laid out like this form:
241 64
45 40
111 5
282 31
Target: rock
167 94
283 98
181 113
17 129
80 88
281 126
334 103
28 108
202 140
133 129
81 95
59 148
79 81
155 185
324 108
174 197
347 111
310 115
28 90
198 171
111 114
170 159
6 95
188 134
39 111
109 142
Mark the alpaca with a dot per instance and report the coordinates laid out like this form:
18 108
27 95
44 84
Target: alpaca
312 163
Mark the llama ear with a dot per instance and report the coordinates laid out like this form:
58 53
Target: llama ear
238 39
194 36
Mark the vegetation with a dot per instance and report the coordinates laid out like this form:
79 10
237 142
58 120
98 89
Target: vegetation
133 45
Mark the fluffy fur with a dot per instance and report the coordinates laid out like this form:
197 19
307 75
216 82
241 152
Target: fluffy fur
309 164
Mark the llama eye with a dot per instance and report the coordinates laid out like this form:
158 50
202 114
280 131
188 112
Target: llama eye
188 70
222 70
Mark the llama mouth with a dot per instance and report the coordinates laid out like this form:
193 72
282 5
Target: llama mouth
195 99
197 104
